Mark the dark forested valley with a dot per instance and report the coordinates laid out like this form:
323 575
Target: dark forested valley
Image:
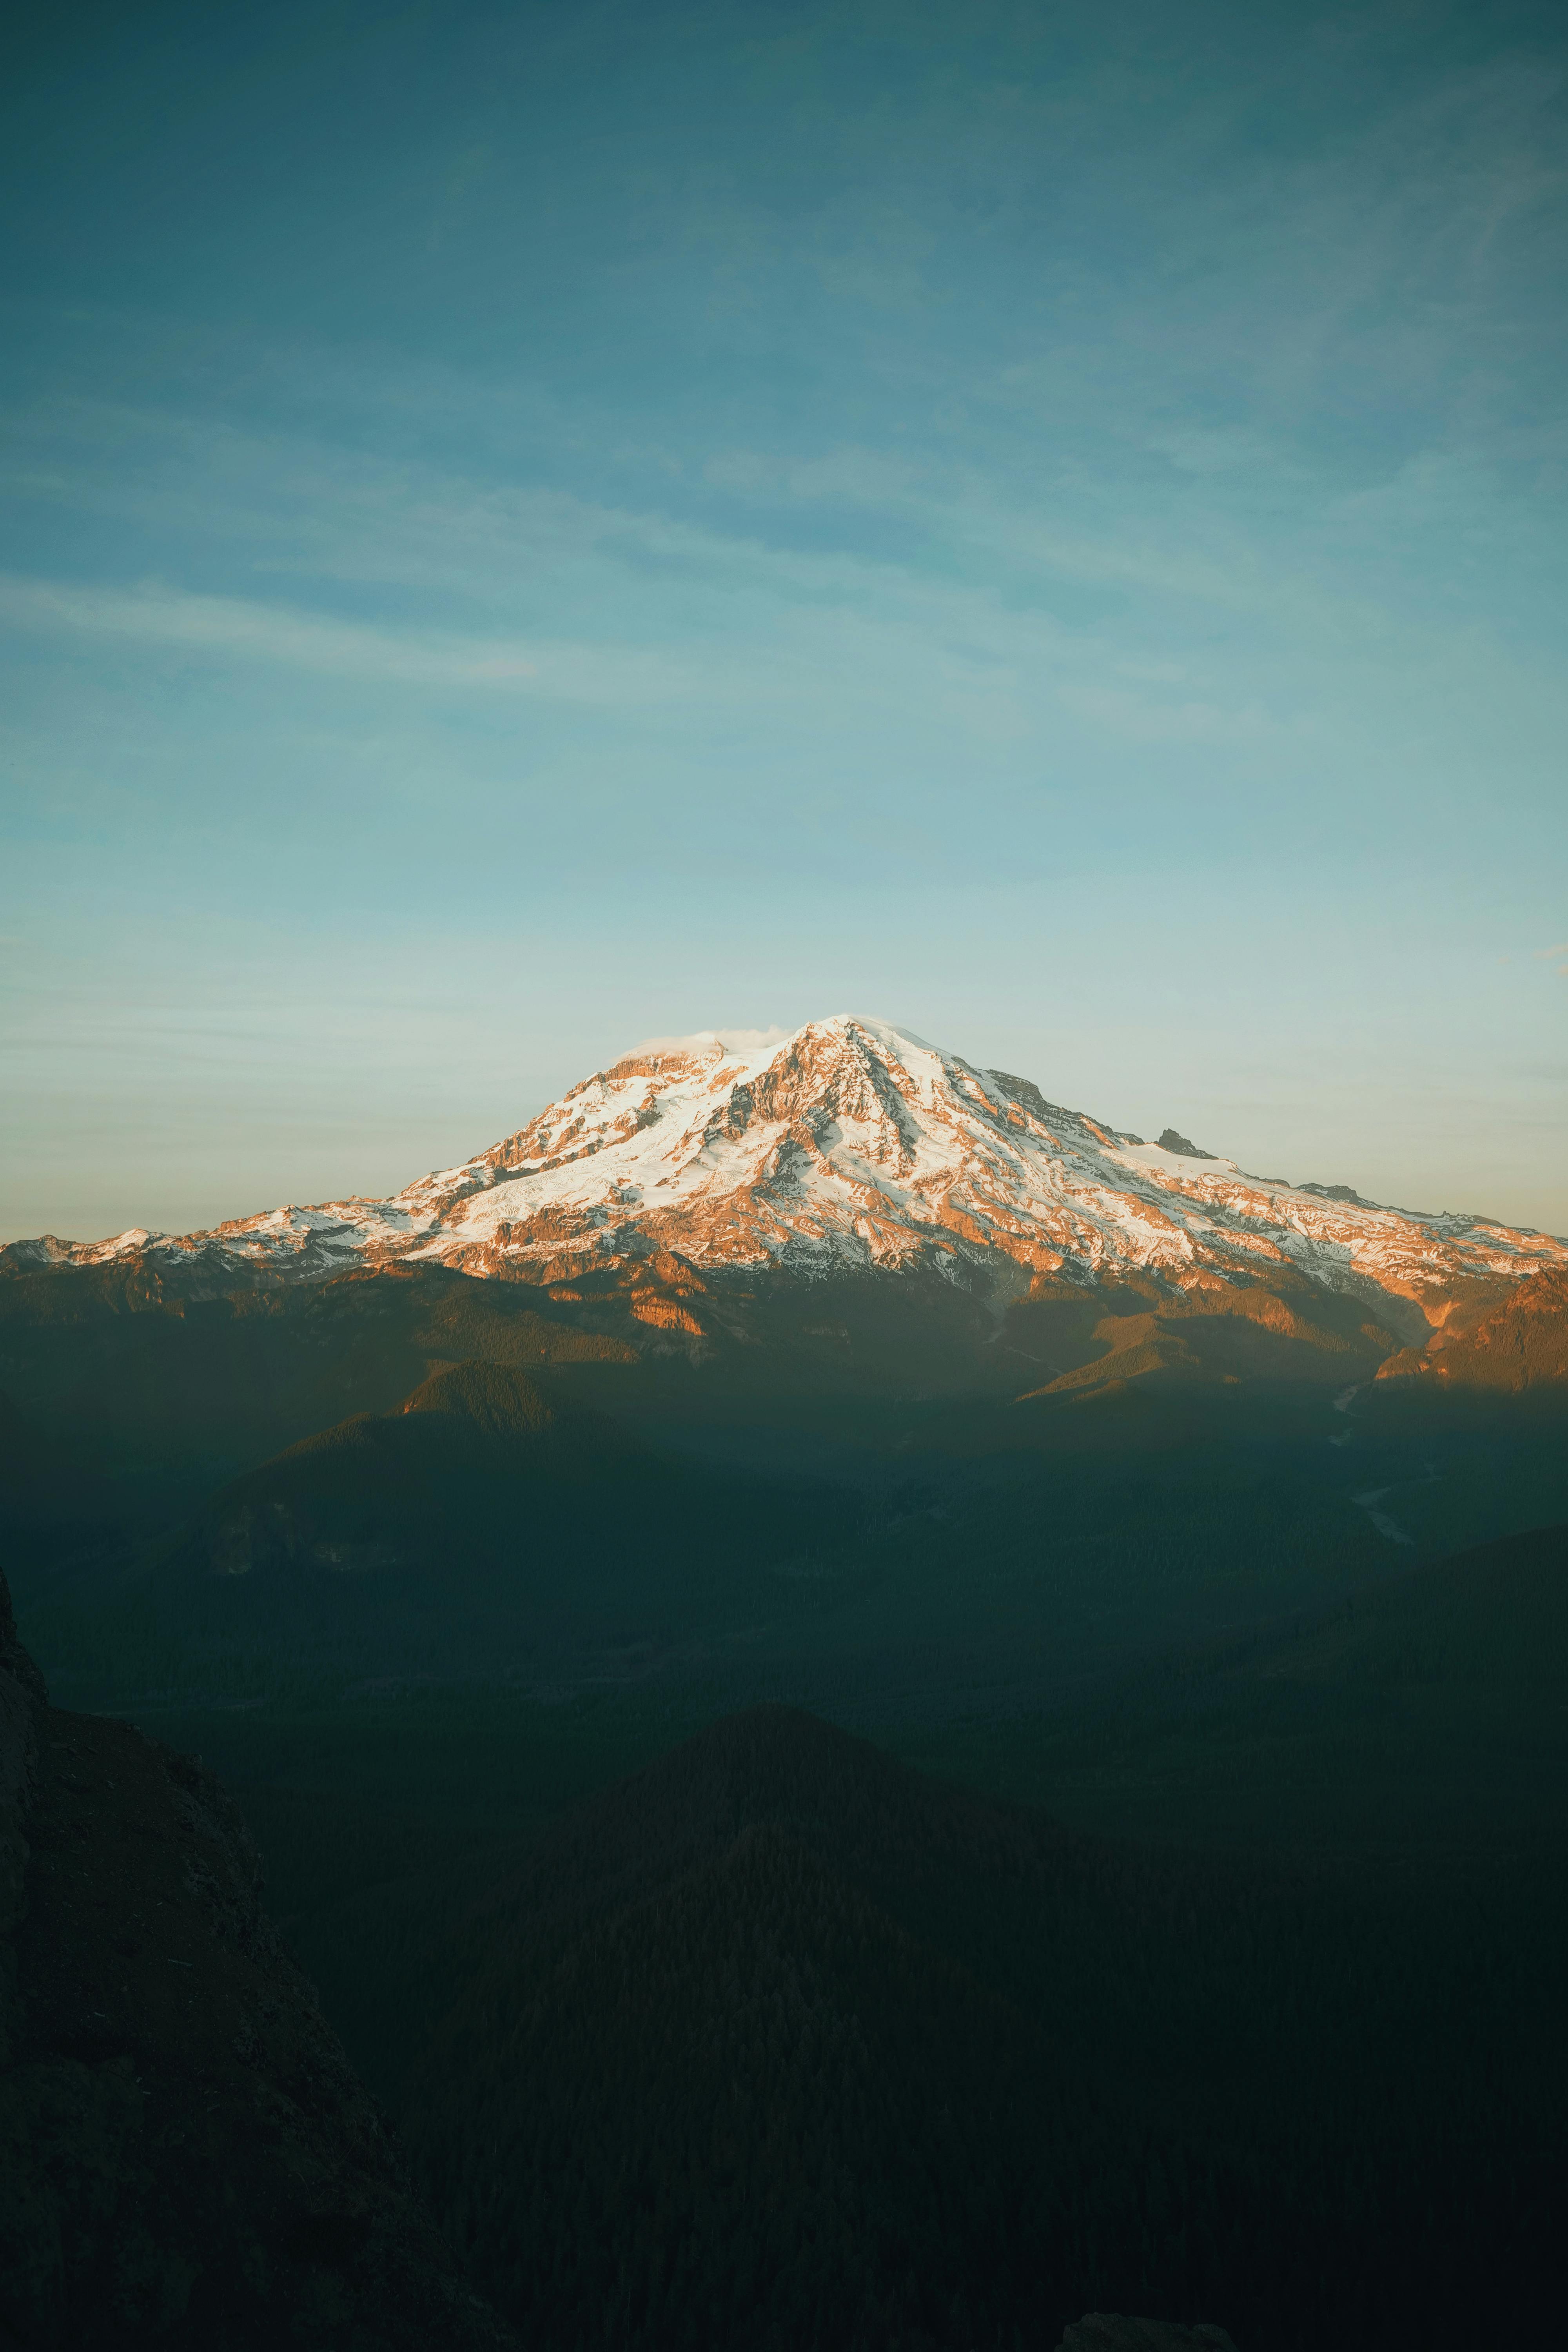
800 1854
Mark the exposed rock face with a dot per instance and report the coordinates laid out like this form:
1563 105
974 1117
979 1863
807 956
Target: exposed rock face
1107 2331
851 1145
1522 1345
185 2157
1169 1139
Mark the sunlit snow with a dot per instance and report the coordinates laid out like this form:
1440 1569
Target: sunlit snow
850 1143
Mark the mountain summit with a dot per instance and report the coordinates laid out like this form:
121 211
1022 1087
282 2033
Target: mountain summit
850 1146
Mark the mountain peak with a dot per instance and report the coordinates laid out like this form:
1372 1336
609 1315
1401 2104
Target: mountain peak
849 1144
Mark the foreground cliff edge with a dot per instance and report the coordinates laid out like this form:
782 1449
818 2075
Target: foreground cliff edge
185 2155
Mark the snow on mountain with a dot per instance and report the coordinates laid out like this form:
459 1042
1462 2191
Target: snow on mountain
851 1144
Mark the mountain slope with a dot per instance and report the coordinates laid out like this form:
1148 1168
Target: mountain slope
484 1528
1419 1724
474 1444
850 1145
779 2043
186 2158
1522 1345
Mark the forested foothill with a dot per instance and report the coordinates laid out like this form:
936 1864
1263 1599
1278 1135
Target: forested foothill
868 1833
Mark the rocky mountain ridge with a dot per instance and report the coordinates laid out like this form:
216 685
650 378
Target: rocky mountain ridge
850 1146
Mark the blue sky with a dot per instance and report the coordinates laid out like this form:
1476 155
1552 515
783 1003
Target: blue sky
524 529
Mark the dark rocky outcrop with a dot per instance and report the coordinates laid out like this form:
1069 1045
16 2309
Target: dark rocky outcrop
1169 1138
185 2156
1107 2331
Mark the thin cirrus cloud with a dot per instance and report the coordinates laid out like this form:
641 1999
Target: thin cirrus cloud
235 628
815 531
834 634
871 567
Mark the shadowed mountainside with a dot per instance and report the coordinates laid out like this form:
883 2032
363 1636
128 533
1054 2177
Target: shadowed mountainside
1107 2331
1415 1728
778 2026
473 1448
187 2159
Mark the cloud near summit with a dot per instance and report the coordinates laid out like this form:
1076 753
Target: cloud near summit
736 1041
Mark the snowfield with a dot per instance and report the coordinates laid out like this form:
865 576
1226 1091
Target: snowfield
850 1144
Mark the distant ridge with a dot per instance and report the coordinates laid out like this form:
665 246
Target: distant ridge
473 1444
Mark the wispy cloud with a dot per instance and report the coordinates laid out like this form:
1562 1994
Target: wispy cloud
236 628
734 1041
885 575
154 615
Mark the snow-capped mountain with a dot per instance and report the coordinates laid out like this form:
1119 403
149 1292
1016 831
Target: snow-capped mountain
850 1145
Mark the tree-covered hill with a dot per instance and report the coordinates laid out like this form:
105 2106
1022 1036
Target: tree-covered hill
779 2042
